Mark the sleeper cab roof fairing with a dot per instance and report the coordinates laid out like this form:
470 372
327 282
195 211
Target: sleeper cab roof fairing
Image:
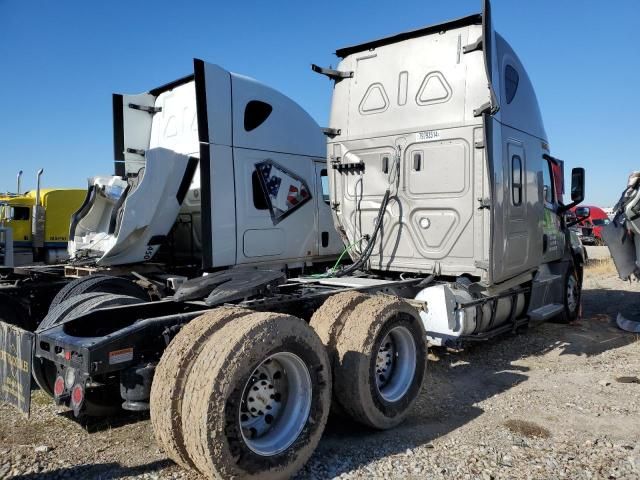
523 111
475 19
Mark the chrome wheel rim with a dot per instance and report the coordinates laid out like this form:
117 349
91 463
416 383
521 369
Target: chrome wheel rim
275 405
572 293
395 364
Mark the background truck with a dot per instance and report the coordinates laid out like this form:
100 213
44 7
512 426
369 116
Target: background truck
592 220
39 223
442 188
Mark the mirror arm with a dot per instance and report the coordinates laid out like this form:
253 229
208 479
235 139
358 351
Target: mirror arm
569 206
565 208
575 222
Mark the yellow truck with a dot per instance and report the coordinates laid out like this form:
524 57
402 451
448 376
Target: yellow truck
38 222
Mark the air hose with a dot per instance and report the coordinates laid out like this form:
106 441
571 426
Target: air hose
366 253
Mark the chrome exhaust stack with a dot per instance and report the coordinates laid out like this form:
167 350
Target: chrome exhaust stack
19 180
37 219
38 179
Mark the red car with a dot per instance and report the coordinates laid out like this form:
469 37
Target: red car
592 225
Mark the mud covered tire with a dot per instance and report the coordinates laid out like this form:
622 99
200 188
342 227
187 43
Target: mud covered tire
329 319
328 322
358 351
99 284
167 388
222 376
44 371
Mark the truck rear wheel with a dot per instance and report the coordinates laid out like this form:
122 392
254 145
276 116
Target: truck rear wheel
257 398
44 371
380 361
167 388
329 319
328 322
99 284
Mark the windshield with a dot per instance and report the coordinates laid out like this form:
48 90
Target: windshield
582 212
600 222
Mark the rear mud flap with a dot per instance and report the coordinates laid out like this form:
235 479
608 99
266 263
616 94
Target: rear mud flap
16 347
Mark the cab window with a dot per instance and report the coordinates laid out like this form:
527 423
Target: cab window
547 184
20 213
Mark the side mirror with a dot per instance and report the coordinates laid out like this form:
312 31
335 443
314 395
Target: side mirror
577 189
577 185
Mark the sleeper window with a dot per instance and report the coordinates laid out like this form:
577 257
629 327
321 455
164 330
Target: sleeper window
255 114
259 197
511 80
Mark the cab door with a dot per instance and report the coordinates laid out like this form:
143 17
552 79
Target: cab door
553 240
275 208
517 235
329 242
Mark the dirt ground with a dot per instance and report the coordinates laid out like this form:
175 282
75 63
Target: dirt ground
561 401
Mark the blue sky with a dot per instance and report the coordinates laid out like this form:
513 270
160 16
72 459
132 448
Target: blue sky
61 60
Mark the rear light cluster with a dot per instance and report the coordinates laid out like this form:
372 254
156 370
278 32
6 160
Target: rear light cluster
58 387
66 388
77 397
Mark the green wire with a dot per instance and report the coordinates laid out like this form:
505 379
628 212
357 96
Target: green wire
333 269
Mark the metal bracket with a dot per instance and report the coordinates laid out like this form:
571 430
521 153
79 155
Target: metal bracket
482 265
331 132
145 108
348 167
137 151
336 75
487 107
484 203
472 47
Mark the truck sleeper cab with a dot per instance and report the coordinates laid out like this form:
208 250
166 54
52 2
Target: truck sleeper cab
224 169
438 131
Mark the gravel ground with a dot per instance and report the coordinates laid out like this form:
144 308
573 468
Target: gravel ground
561 401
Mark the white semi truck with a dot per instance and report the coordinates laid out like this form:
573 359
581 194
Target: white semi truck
442 188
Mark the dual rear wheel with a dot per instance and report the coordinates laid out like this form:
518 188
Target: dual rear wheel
247 394
251 400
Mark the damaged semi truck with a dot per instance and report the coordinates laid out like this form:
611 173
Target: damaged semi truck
199 186
441 187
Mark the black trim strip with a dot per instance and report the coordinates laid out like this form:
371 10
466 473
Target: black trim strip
205 163
205 199
475 19
171 85
487 48
82 211
118 134
192 164
201 100
487 121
